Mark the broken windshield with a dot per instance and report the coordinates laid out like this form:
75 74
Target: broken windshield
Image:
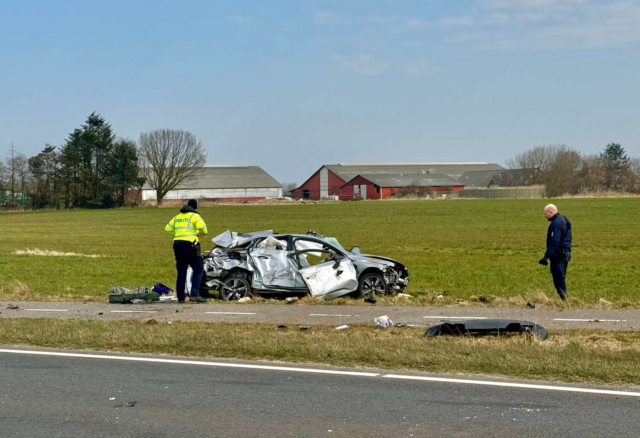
333 241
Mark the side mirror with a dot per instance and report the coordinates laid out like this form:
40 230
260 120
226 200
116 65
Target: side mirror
356 250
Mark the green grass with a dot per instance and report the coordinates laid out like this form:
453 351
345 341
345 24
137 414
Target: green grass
461 249
575 356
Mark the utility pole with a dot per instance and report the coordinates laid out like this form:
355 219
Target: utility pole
13 174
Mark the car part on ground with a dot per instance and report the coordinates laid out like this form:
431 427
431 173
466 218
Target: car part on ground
485 327
296 264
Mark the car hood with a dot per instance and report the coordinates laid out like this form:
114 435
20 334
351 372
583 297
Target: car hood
368 258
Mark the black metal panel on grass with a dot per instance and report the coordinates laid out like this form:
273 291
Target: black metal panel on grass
485 327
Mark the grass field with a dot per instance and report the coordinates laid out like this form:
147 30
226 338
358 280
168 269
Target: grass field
461 249
572 356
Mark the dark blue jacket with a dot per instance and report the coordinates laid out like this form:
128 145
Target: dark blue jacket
558 235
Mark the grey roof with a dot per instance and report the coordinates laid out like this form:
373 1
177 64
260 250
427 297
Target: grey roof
403 180
228 177
481 178
453 170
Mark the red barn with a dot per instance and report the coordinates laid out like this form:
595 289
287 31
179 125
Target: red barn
327 181
378 186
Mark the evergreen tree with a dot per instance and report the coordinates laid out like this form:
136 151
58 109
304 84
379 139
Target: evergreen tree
84 161
614 153
616 164
70 169
44 171
123 169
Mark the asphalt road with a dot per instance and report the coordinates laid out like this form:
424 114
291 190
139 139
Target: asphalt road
556 319
45 396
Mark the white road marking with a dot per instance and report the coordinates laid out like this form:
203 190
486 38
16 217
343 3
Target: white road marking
230 313
321 371
455 317
190 362
46 310
328 314
515 385
134 311
590 320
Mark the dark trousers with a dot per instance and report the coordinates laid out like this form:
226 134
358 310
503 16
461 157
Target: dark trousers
188 254
559 266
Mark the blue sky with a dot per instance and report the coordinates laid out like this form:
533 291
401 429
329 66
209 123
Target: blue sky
291 85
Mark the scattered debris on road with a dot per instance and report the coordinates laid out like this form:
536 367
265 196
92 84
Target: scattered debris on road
383 321
139 295
12 307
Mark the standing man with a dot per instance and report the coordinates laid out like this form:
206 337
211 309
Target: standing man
558 248
186 228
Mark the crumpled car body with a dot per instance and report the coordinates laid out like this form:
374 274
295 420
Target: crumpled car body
265 262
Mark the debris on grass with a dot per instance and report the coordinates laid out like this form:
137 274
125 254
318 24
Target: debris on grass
485 327
342 327
48 253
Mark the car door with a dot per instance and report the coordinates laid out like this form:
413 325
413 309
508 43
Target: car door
330 279
327 273
273 267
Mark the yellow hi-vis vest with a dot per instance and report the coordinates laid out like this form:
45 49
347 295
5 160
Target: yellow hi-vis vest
186 226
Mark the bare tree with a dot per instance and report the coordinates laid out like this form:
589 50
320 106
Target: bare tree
17 172
555 166
561 175
536 158
3 184
288 187
170 157
634 164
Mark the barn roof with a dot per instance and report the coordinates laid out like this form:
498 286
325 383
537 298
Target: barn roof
452 170
404 180
228 177
481 178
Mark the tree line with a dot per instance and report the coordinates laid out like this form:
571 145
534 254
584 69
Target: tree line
96 169
566 171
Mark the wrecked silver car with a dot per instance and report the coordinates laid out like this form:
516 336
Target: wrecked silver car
266 262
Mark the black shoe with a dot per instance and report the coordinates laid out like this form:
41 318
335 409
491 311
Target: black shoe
180 301
197 300
563 295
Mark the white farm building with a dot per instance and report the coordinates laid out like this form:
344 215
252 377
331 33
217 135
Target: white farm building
222 183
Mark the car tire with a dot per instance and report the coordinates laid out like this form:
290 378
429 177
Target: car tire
372 285
234 287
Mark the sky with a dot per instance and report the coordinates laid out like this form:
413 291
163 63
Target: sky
292 85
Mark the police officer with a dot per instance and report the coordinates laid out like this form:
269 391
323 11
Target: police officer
186 228
558 248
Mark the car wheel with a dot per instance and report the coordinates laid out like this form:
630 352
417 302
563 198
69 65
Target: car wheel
372 285
235 287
